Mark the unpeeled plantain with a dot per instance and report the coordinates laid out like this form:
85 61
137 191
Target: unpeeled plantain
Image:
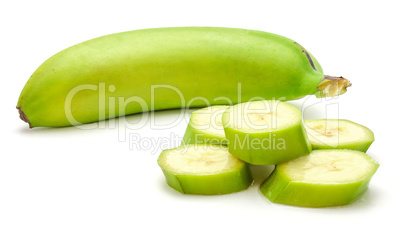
165 68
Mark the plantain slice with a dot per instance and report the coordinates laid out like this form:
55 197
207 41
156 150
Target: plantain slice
204 170
324 178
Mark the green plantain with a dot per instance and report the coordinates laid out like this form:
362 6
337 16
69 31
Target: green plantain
166 68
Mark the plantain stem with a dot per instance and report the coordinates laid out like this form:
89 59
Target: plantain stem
332 86
23 116
329 86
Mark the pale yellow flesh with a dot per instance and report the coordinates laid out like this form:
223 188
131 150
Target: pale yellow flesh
334 132
209 120
201 159
329 166
263 116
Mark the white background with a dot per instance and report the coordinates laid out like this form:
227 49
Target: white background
70 178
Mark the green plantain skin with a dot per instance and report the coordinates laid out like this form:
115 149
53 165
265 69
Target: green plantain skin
195 136
224 183
265 148
203 62
280 189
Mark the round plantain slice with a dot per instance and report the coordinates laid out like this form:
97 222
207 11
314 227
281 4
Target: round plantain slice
205 127
338 134
204 169
265 132
323 178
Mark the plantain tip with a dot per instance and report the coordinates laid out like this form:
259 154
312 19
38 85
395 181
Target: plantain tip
24 117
